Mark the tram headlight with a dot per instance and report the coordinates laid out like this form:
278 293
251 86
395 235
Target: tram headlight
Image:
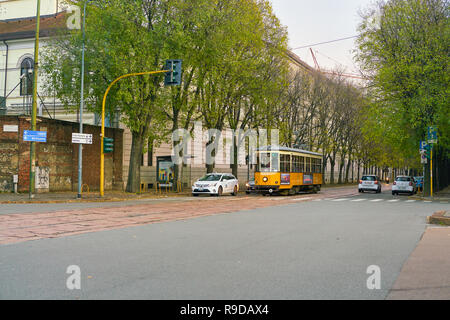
265 179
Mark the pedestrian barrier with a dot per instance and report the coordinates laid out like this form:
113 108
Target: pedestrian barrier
142 188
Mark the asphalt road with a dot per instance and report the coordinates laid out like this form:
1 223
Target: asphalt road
303 250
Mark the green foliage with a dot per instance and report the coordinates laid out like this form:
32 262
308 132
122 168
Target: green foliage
406 53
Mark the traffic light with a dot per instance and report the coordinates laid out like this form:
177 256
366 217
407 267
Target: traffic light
428 151
108 145
173 78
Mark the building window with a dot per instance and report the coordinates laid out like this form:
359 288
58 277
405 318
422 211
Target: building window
26 75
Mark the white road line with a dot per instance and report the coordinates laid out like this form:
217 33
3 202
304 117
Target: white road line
317 200
428 201
410 201
357 200
377 200
301 199
395 200
340 199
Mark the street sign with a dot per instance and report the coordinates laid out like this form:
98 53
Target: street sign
35 136
81 138
423 159
423 146
432 134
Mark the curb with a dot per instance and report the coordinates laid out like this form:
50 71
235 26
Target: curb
439 218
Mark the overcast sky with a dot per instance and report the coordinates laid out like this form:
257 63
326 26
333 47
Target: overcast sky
314 21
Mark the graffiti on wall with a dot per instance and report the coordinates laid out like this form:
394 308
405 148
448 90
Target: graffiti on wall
42 178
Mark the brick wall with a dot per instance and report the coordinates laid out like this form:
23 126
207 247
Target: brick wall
58 154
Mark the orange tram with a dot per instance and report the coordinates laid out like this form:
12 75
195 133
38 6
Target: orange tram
287 171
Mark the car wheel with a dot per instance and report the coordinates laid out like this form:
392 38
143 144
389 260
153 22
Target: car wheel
219 191
235 191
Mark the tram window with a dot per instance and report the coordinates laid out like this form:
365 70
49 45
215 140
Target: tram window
285 163
295 164
264 162
274 162
302 164
319 165
308 165
316 165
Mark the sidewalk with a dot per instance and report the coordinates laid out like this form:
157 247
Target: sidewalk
443 195
67 197
426 273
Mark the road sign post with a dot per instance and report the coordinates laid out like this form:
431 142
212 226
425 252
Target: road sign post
432 139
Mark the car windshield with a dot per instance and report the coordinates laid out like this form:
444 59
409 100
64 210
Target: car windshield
211 177
403 179
369 178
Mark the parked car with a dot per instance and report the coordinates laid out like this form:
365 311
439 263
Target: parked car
250 185
216 184
404 184
369 183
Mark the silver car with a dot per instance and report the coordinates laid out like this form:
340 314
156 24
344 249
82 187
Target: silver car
216 184
369 183
404 184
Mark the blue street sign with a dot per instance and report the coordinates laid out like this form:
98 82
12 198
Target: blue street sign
35 136
423 145
432 134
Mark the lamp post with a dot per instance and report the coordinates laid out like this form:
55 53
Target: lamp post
80 146
34 107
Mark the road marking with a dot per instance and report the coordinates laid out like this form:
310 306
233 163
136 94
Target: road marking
317 200
395 200
302 199
357 200
340 199
428 201
377 200
410 201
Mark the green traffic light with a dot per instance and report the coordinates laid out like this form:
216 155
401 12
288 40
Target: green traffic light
108 145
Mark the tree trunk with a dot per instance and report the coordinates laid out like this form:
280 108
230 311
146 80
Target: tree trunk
234 165
341 167
332 163
347 171
134 171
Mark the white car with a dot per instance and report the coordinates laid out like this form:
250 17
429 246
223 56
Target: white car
369 183
216 184
404 184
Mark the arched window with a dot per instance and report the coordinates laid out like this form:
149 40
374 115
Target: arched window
26 77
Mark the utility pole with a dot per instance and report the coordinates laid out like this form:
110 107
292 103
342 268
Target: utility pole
34 107
80 146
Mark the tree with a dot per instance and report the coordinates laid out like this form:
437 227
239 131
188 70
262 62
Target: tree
405 52
122 37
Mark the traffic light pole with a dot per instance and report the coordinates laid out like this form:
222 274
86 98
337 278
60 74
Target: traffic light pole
431 171
102 154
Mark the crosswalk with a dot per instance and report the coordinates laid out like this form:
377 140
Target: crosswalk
353 199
